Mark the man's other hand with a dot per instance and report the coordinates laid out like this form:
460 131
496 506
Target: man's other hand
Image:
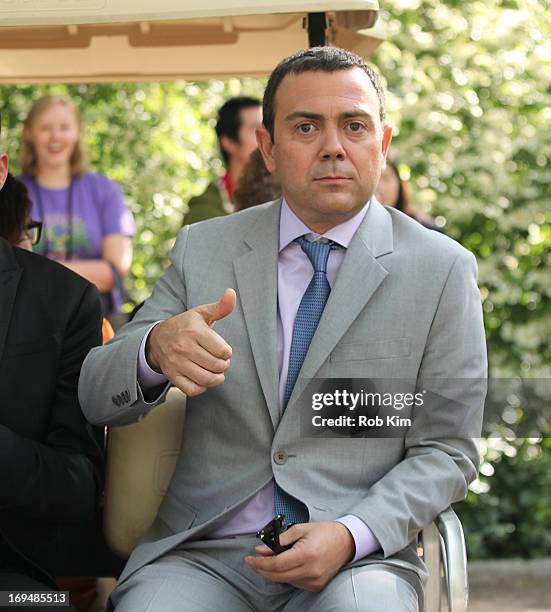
188 351
318 553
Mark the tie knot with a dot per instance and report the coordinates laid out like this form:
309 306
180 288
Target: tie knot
318 252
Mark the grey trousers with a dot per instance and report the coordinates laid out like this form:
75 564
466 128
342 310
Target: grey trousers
212 576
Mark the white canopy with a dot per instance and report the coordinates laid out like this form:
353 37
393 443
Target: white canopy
135 40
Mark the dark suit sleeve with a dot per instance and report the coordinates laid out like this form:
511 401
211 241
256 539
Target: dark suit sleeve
58 478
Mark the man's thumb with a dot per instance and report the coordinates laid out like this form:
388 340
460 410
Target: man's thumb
214 312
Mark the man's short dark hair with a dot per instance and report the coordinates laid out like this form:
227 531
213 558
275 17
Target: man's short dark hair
229 119
323 59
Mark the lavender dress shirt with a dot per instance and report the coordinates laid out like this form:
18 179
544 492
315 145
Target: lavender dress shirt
294 274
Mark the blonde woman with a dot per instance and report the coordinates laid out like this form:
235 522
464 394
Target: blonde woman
87 226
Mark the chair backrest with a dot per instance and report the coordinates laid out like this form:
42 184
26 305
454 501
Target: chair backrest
141 459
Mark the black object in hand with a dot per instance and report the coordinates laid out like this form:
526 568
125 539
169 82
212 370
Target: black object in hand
269 534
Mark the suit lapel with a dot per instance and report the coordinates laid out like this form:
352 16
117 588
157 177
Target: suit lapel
10 273
358 278
256 273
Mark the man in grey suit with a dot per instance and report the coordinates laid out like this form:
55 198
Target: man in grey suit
324 284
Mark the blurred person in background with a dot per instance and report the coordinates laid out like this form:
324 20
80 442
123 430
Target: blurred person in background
87 226
237 121
19 229
394 191
256 185
51 468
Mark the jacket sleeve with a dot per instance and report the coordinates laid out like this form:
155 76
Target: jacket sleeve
441 448
108 390
58 478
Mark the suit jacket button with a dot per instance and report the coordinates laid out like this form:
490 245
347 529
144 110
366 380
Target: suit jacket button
280 457
116 400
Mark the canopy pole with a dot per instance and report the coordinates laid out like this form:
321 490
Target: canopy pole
316 24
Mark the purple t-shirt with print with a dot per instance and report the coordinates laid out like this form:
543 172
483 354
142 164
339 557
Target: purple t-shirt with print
97 208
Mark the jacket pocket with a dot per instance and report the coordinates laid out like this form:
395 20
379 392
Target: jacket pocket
178 515
379 349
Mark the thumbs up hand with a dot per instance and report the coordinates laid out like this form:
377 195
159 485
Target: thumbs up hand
188 351
214 312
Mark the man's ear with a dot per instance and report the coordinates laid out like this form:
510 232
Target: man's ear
266 146
3 168
387 137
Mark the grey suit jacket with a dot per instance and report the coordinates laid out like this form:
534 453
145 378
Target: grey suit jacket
405 305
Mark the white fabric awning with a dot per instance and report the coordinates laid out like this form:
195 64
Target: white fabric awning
129 40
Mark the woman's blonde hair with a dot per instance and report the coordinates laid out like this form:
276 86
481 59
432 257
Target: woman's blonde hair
29 159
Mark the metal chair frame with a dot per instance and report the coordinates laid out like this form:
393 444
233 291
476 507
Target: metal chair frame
445 555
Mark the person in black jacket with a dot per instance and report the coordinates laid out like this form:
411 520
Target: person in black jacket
50 465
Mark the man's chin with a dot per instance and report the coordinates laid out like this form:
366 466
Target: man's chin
330 216
339 207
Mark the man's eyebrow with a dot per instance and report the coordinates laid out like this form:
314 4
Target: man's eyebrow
303 115
353 114
356 113
359 114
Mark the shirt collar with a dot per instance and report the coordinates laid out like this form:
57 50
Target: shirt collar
291 228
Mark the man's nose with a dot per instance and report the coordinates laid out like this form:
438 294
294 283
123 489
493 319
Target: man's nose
332 147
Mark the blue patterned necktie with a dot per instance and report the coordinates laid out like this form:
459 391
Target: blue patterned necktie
308 315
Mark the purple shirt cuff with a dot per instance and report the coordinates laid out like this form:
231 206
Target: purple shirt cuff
366 542
147 377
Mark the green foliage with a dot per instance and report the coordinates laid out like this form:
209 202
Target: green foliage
508 514
470 98
156 139
470 95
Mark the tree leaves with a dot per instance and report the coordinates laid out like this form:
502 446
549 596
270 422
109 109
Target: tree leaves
156 139
469 92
